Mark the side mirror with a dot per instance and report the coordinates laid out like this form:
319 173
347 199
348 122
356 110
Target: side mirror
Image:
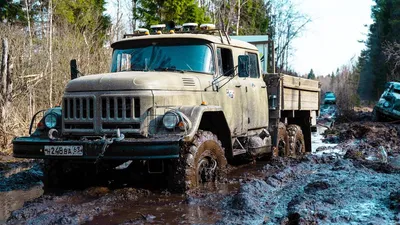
244 66
74 69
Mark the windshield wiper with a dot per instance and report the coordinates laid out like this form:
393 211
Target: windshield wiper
173 69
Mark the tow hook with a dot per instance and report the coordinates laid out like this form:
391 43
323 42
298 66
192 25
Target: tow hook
107 142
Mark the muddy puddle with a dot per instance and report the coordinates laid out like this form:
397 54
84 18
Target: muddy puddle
322 146
127 205
200 207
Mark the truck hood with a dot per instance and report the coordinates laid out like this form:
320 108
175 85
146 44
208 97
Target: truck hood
135 81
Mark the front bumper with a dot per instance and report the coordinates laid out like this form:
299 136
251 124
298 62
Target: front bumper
127 149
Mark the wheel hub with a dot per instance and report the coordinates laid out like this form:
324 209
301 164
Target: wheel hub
206 170
299 147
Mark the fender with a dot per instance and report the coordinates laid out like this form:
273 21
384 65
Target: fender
210 118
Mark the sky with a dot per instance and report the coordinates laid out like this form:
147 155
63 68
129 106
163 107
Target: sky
331 39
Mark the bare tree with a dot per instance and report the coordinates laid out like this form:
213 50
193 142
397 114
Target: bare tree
6 90
51 51
239 7
286 24
392 53
27 3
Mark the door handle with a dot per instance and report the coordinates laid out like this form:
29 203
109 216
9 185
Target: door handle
263 86
238 85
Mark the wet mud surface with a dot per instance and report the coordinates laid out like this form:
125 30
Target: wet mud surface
352 177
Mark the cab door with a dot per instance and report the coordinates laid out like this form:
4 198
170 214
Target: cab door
256 94
230 92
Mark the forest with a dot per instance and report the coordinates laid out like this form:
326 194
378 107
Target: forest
380 61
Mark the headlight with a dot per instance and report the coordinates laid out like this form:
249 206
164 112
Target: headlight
170 120
386 104
51 120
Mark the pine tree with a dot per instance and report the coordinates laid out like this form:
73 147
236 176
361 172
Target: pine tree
12 12
162 11
84 14
373 65
311 75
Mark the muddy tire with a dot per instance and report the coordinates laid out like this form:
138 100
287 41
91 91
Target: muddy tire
201 161
282 149
297 146
376 115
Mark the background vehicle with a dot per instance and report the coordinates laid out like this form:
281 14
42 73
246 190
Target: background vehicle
329 98
388 106
183 105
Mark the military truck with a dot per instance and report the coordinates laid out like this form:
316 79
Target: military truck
184 105
388 106
329 98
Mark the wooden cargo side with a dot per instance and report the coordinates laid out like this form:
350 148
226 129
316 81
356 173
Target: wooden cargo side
299 93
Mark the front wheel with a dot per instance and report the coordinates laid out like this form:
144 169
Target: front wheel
201 161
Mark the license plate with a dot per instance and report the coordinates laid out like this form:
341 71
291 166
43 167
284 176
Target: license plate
63 150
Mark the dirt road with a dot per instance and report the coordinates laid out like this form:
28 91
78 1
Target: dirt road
354 179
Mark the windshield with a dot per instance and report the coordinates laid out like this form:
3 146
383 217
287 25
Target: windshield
195 58
329 95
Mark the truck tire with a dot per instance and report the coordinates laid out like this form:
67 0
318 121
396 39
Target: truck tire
376 116
282 149
201 161
297 145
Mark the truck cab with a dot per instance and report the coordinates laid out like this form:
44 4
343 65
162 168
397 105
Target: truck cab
388 106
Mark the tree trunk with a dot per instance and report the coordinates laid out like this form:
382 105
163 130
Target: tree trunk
238 17
29 31
134 14
51 52
3 72
6 89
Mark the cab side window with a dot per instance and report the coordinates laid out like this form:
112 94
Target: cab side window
254 67
225 62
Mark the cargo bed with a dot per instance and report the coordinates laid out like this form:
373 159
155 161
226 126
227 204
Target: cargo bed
293 100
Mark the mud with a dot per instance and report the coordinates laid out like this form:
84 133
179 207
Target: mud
319 190
352 177
103 205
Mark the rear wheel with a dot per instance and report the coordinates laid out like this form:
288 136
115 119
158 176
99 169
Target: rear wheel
297 145
282 144
201 161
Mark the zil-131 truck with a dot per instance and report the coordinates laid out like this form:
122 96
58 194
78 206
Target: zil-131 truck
180 104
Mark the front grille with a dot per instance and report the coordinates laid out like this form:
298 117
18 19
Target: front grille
120 113
101 114
78 113
78 108
120 107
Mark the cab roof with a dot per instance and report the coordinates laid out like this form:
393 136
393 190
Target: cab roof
396 85
206 37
